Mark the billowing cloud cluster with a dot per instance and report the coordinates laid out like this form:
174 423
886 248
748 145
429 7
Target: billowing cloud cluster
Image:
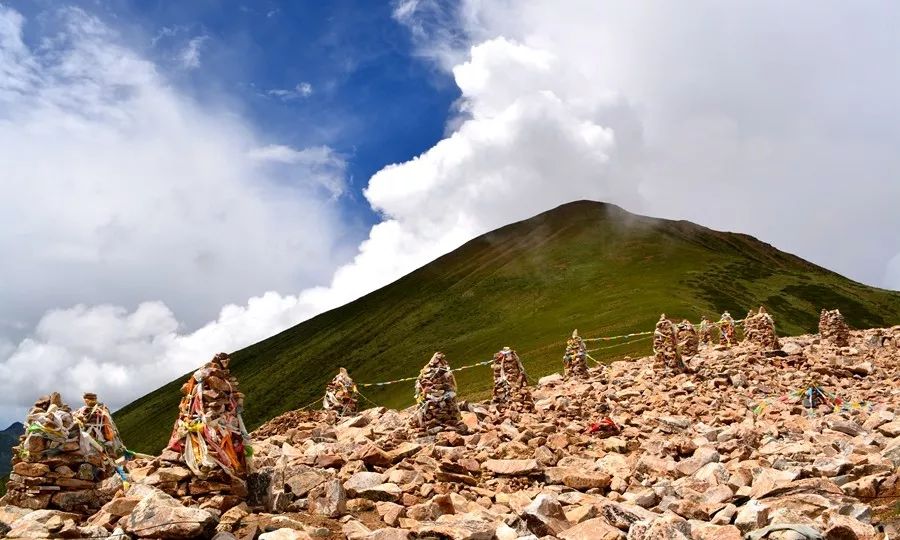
118 189
780 121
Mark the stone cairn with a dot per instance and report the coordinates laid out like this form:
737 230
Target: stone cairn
209 437
575 357
705 332
436 408
688 341
511 392
341 395
97 423
55 466
726 330
665 345
759 330
833 328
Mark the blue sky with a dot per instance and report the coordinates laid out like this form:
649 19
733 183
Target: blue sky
343 74
184 178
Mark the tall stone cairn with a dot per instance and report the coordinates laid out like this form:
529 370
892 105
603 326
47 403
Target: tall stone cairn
688 341
665 345
511 392
833 328
54 467
704 334
726 330
575 357
209 437
436 408
341 395
759 330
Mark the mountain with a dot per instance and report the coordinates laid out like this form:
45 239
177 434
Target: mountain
585 265
9 437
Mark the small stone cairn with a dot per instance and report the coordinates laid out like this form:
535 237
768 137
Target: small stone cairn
511 392
436 408
759 330
575 357
833 328
665 345
688 341
726 330
704 334
54 465
209 437
341 395
96 422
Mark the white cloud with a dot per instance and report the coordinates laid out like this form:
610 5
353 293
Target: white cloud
779 121
319 165
299 91
117 190
190 55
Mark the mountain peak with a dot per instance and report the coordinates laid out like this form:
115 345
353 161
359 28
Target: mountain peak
586 264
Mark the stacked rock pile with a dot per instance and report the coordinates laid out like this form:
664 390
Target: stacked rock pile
726 330
575 357
688 340
55 464
207 455
759 329
833 328
704 334
665 345
341 395
436 407
511 392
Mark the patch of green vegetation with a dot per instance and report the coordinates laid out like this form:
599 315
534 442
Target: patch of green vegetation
3 481
584 265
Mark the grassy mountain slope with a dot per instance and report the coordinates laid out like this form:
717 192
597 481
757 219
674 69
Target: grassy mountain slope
584 265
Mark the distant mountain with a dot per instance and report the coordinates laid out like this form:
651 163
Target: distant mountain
585 265
9 437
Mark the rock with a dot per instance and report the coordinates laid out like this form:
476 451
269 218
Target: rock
382 492
586 480
707 531
158 515
544 516
592 529
512 467
334 503
751 516
388 534
285 534
361 481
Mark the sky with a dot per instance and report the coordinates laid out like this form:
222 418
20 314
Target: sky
183 178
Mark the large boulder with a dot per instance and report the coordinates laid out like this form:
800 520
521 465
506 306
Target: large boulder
158 515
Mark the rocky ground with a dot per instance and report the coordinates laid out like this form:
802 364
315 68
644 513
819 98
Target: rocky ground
724 451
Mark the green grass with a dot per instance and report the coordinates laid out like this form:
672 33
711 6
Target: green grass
3 480
584 265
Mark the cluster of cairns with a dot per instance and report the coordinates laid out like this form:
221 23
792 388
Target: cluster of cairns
64 458
690 446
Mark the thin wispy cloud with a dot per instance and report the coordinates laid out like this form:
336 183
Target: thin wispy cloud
190 55
299 91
